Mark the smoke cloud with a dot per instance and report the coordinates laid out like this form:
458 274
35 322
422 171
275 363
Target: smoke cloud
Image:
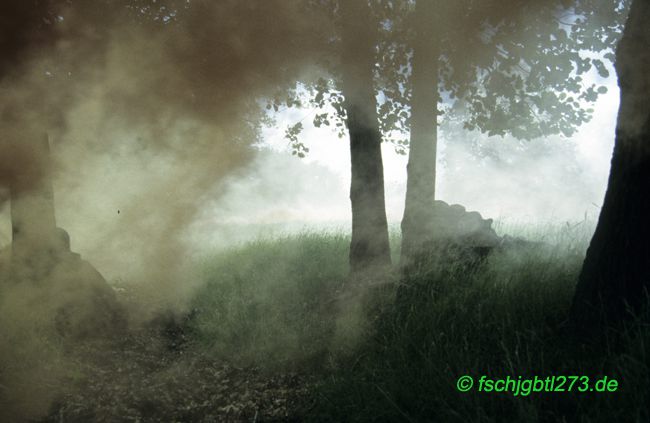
148 107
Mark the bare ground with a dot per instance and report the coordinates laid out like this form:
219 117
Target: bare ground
148 377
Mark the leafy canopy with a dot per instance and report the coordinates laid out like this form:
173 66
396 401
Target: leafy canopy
512 67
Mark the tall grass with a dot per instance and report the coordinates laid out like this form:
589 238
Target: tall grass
277 302
503 317
271 301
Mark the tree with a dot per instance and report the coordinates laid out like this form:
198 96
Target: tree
615 279
417 223
369 246
24 153
515 70
348 86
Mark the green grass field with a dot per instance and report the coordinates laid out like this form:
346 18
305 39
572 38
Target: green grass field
282 303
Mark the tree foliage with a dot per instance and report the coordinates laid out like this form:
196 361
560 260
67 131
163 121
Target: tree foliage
516 68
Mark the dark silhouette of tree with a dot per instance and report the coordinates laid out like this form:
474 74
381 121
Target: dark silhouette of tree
369 246
615 278
348 86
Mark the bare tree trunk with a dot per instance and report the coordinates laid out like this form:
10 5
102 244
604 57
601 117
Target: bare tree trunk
369 246
615 277
86 305
417 223
32 203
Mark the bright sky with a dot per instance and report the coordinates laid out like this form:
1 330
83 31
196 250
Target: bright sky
283 189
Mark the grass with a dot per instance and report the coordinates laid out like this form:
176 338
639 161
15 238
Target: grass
272 300
277 302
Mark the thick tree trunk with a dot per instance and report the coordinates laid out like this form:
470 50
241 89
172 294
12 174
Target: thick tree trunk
71 294
417 223
615 277
369 246
32 203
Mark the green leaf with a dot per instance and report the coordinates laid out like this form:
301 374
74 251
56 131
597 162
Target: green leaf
600 67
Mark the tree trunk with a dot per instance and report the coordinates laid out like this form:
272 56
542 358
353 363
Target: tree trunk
417 223
369 246
615 277
33 221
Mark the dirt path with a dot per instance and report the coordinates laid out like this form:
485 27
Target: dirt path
141 379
